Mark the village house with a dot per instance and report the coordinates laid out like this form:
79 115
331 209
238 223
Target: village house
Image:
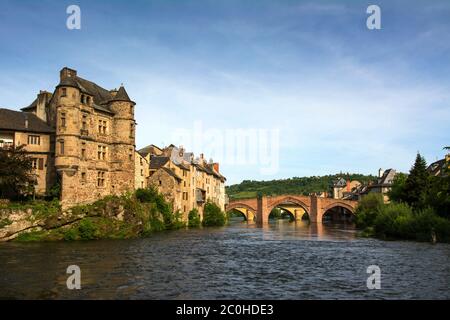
82 138
187 182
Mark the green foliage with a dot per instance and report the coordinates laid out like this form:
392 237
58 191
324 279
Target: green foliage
275 213
213 216
398 191
193 219
416 184
16 176
87 230
145 195
70 235
438 193
296 185
55 191
368 209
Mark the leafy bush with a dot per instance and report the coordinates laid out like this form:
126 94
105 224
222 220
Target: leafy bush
87 229
193 219
213 216
70 235
368 209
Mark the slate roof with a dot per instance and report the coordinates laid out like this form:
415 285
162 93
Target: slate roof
157 162
15 121
150 149
171 173
121 95
101 96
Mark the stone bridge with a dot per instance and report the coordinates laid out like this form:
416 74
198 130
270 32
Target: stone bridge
297 205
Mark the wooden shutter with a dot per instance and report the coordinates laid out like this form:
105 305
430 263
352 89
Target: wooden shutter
41 164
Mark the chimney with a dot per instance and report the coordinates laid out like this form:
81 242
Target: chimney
348 185
67 73
26 121
380 173
216 167
42 99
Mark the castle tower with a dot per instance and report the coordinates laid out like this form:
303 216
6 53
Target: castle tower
123 142
66 114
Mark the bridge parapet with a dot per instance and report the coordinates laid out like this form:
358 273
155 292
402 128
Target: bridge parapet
313 205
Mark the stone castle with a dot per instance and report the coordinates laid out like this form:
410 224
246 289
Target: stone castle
82 136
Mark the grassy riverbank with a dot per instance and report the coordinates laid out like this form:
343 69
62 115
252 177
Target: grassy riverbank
114 217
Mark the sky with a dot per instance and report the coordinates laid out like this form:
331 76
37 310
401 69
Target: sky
330 95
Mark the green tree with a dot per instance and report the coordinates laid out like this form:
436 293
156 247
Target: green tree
193 218
16 176
398 190
416 184
213 216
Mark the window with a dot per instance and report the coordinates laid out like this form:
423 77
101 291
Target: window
142 184
160 182
84 122
101 152
131 130
142 172
63 120
99 126
34 163
63 92
61 147
140 160
104 127
83 177
101 179
32 139
82 98
130 157
88 100
131 109
83 151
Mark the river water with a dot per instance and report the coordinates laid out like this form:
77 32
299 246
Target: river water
241 261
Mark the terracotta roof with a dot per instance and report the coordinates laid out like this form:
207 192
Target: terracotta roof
15 121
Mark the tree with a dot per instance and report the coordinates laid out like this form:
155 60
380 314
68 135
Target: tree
213 216
16 172
398 192
416 184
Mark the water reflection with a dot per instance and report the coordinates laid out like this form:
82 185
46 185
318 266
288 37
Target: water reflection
281 260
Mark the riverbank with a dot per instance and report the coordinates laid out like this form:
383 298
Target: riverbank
128 216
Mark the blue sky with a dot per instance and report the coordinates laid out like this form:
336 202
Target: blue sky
343 97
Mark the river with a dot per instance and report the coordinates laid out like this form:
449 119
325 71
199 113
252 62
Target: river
241 261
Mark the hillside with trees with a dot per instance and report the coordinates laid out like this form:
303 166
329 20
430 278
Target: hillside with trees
295 185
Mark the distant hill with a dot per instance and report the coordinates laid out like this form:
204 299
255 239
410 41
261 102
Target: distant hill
296 185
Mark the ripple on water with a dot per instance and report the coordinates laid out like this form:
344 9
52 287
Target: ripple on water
280 261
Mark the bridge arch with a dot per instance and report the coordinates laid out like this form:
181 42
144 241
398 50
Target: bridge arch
249 213
327 211
290 199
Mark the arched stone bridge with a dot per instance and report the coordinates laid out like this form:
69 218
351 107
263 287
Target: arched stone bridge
314 206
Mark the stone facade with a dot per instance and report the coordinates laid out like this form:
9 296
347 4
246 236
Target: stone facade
185 181
91 149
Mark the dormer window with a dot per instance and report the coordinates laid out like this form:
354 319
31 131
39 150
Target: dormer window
82 99
63 92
